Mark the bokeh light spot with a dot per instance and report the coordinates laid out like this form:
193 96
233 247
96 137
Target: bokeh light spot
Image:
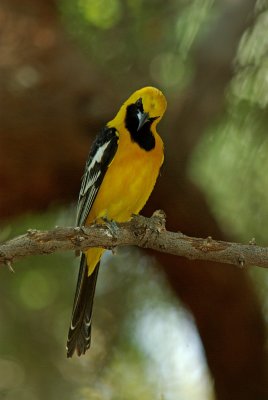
36 290
168 70
103 13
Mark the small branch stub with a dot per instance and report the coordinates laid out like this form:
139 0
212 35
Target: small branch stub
9 265
241 261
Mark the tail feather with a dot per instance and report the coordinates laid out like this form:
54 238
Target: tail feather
80 329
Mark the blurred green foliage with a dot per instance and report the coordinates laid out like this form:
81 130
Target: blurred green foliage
138 38
231 161
234 151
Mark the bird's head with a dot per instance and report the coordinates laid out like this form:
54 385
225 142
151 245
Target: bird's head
144 107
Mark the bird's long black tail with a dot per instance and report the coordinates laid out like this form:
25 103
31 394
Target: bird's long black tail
80 329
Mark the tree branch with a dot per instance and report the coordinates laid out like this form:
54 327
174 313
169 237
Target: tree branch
140 231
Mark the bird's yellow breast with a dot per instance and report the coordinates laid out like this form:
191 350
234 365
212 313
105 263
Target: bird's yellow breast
128 182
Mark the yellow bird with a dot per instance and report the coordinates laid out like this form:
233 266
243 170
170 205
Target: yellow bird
120 174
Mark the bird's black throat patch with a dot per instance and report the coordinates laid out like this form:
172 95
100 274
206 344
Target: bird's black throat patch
144 137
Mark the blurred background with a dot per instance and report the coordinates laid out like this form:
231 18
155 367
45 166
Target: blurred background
164 327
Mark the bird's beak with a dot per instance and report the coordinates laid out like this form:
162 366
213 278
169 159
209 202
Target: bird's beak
143 118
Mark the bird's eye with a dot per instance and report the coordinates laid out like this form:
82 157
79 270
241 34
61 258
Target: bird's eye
139 104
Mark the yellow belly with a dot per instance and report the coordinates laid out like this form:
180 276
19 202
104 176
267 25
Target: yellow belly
125 188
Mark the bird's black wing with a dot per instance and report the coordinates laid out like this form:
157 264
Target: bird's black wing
101 154
100 157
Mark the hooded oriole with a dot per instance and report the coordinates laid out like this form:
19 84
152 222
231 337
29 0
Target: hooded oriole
120 174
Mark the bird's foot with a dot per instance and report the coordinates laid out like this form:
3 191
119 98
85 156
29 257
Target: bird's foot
111 225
